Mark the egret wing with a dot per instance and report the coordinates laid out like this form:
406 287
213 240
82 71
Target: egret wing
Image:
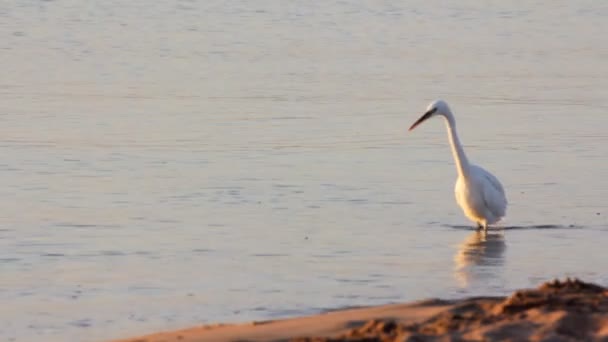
493 193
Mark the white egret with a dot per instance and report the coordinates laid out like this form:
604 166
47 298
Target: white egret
478 192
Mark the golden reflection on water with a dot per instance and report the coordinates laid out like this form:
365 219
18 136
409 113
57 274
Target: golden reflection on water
478 257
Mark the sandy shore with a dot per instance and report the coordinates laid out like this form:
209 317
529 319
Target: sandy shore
569 310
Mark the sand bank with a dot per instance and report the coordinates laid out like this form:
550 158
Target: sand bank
569 310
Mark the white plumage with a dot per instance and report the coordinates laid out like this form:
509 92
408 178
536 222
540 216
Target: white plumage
479 194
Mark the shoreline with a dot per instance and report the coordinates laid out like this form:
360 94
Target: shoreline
557 310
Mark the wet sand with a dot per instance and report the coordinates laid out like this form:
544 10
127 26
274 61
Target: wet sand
569 310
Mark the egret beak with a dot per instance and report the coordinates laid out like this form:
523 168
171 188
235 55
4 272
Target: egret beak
425 116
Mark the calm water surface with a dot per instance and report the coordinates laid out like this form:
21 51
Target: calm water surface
185 162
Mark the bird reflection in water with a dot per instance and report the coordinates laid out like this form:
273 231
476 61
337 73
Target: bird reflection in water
479 257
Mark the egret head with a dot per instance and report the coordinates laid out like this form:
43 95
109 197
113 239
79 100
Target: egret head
435 108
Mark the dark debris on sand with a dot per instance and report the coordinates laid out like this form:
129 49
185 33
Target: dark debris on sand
569 310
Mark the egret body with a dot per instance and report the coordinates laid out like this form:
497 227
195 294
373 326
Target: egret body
478 192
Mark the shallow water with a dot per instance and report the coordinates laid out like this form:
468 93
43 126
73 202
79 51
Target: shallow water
174 164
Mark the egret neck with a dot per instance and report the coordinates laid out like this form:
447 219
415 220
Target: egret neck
462 163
